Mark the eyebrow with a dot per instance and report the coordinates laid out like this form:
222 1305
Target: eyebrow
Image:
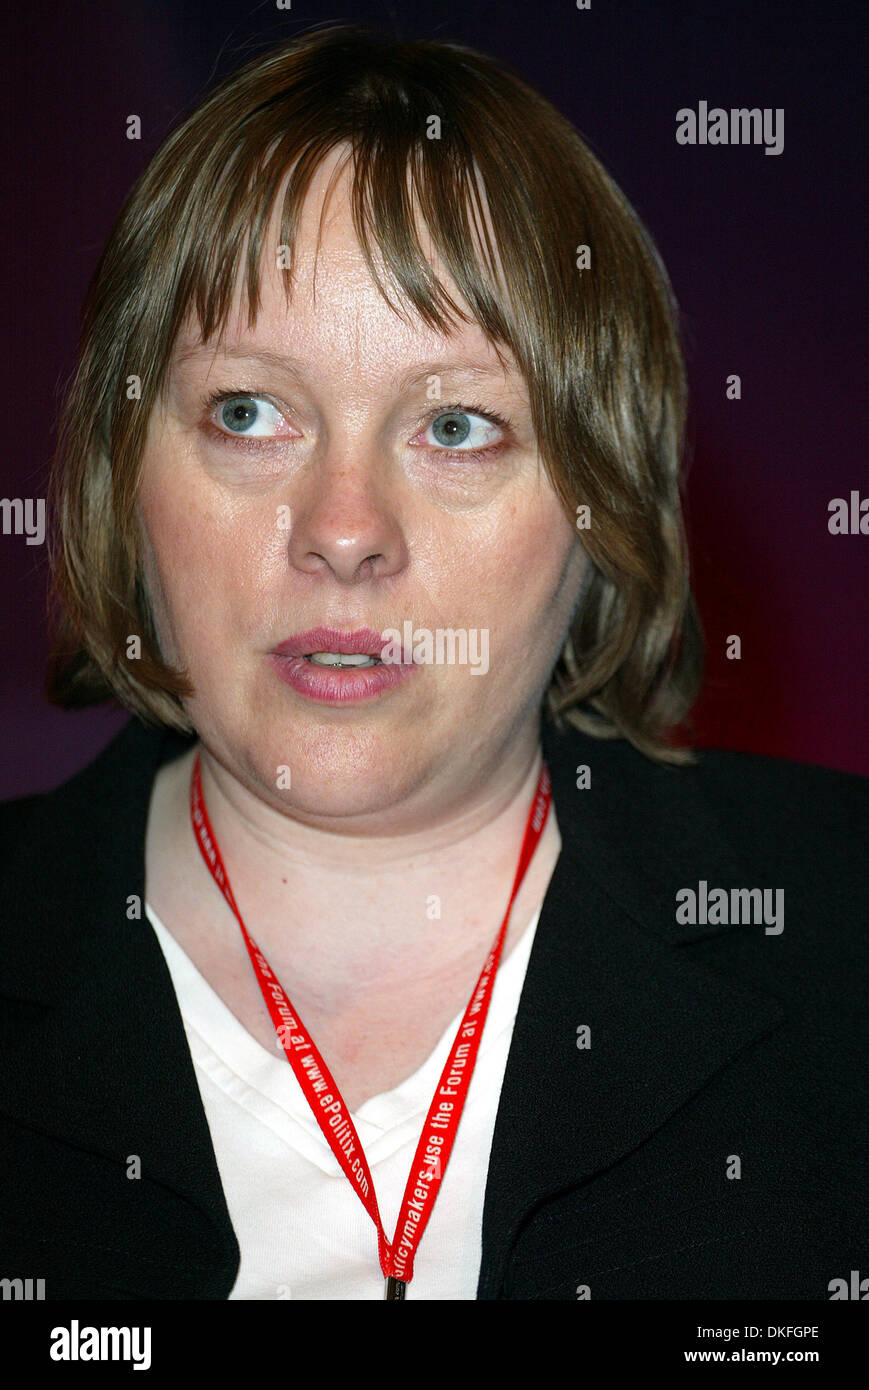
296 367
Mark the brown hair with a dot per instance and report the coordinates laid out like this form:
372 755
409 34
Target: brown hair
598 346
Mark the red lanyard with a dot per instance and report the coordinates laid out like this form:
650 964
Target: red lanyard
321 1092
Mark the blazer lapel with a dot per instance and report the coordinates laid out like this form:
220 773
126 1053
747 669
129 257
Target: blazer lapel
607 958
115 1074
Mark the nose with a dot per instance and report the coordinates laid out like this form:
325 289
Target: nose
345 520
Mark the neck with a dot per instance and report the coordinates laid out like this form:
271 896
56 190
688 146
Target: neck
338 910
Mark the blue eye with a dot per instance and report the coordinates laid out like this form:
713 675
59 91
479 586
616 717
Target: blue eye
250 416
454 430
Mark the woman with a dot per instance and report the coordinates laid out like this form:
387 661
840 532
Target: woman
368 505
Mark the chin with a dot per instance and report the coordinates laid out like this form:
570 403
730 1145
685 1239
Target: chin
338 793
336 772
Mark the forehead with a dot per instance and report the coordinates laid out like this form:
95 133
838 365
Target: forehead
336 314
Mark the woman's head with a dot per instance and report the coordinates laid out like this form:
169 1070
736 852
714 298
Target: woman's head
360 255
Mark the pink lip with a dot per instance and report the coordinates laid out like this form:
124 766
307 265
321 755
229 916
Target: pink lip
331 685
363 642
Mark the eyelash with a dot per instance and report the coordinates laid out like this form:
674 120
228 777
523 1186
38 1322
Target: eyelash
218 397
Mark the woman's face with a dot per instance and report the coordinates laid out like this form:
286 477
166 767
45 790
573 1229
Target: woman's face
353 476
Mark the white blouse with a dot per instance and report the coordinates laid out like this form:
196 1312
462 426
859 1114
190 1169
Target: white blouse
301 1228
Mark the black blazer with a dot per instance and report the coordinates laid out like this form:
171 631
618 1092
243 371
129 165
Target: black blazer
709 1143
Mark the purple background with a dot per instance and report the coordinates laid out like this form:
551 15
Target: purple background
766 254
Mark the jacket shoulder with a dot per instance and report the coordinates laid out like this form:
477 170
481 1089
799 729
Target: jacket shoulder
729 820
121 772
749 789
786 806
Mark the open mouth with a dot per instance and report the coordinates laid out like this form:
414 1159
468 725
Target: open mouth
339 660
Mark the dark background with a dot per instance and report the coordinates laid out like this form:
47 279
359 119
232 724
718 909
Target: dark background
766 254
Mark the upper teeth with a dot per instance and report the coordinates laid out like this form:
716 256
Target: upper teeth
342 659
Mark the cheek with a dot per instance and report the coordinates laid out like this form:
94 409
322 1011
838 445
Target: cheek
521 565
210 566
